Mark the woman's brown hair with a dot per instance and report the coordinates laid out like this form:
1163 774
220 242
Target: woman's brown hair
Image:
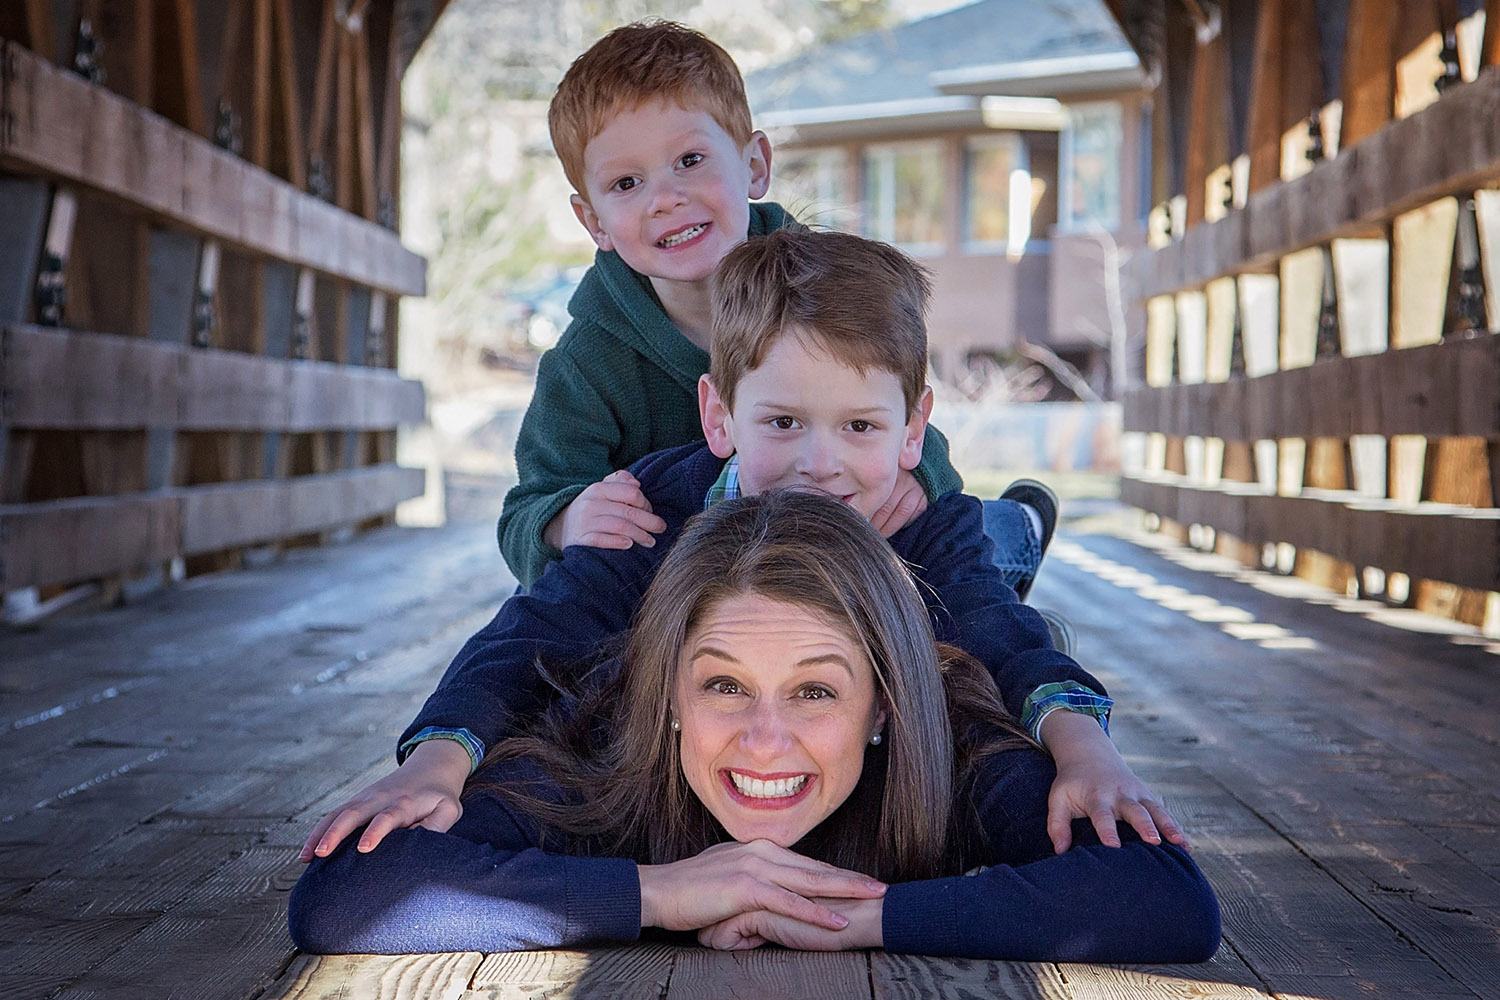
611 754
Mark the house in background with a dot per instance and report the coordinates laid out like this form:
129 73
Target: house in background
999 143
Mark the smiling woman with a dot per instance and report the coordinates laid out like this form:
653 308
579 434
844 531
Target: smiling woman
781 754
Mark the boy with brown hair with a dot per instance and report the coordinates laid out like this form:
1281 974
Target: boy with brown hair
653 130
818 381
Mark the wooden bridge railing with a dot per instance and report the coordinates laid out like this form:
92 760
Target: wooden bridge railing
210 191
1321 371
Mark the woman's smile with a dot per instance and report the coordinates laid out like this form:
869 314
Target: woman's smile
777 792
776 707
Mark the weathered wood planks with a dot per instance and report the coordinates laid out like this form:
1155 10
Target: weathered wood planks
1447 148
70 380
60 541
1451 389
63 127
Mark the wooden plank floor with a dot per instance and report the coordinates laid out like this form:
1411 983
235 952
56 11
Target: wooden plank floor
1336 765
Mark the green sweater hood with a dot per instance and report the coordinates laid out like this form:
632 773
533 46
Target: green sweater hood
620 302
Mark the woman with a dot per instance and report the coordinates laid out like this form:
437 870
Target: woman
782 755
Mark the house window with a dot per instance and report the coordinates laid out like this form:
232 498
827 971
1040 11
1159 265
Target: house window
1091 167
903 196
811 186
992 166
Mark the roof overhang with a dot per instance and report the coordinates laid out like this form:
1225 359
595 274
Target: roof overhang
1044 77
837 123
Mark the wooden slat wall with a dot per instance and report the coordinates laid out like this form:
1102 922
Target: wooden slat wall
211 187
104 534
66 380
64 127
1313 378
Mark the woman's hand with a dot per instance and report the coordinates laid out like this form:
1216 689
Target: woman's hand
751 930
728 880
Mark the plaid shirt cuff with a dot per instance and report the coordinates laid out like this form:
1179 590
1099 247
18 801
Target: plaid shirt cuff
1069 696
472 744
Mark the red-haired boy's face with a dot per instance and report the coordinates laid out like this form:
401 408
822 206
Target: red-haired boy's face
668 190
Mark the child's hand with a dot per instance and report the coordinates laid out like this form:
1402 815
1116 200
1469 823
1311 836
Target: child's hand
1094 781
423 791
906 501
611 514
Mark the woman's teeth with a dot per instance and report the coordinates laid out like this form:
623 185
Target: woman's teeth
687 234
780 788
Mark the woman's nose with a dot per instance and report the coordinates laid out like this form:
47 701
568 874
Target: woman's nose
766 733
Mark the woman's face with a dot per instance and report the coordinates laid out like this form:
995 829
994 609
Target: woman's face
777 707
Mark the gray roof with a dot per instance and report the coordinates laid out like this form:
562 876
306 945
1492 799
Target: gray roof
897 64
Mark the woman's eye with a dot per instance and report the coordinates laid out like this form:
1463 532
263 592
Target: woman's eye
784 423
722 686
859 426
690 160
816 693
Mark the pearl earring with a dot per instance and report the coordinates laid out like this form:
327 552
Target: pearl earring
676 726
875 740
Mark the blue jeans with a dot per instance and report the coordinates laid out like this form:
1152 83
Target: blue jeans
1018 552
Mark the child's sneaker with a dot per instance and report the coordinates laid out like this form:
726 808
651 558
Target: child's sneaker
1041 499
1064 636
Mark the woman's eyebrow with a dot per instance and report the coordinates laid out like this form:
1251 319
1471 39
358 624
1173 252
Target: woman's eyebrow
836 659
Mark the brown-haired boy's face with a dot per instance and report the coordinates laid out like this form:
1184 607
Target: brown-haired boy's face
804 418
668 190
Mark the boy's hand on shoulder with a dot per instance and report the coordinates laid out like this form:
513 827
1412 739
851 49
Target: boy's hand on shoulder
1094 782
906 501
610 514
423 792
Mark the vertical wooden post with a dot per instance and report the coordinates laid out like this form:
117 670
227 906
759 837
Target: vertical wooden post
1369 69
1265 103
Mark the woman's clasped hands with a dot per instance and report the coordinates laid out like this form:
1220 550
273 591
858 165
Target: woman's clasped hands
739 896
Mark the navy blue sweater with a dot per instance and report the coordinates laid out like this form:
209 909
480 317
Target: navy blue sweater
496 882
591 595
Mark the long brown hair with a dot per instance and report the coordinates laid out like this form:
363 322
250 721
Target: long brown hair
612 758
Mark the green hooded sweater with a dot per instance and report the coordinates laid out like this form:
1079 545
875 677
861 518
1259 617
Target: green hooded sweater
621 383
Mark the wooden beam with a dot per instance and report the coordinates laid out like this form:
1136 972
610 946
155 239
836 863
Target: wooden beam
63 379
1489 54
364 126
1208 136
1266 102
1419 64
1369 69
1447 149
70 541
1426 541
171 175
177 86
1451 389
289 127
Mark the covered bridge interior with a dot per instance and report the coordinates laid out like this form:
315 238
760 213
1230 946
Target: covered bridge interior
197 336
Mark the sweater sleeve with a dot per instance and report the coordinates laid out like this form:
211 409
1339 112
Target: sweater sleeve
935 471
563 621
587 597
1133 903
485 885
553 467
973 608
